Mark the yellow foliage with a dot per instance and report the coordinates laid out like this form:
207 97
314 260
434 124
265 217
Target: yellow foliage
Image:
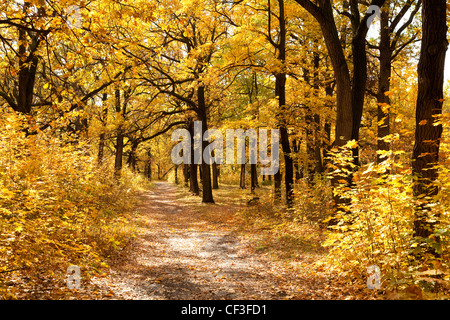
377 228
57 208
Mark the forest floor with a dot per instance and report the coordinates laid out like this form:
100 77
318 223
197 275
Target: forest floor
187 250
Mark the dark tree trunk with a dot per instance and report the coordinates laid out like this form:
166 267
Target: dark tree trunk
119 139
121 109
176 174
118 162
215 173
280 92
186 174
277 180
349 99
148 170
344 111
359 85
207 195
193 183
318 165
429 106
327 129
193 179
296 144
27 71
242 177
103 120
132 158
253 177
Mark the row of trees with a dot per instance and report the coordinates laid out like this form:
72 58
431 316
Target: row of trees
129 72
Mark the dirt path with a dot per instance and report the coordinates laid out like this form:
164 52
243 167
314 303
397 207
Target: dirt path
178 255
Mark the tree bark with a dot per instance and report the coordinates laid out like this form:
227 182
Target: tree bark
103 120
132 158
350 91
429 107
207 195
296 144
119 139
280 92
277 179
193 179
242 177
253 178
186 174
27 70
215 173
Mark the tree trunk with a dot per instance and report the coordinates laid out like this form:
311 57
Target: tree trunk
277 178
193 179
118 162
119 139
186 174
429 106
27 71
148 172
132 160
359 86
103 120
280 92
253 178
193 182
207 196
176 174
318 165
349 99
242 177
296 144
215 172
344 109
327 129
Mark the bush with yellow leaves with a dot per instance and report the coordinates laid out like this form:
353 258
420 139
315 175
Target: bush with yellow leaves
58 207
377 227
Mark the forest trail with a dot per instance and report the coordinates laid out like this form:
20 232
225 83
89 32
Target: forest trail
179 255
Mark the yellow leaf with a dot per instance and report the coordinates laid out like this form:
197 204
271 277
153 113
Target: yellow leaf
352 144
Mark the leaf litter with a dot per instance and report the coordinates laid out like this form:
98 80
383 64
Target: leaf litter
191 251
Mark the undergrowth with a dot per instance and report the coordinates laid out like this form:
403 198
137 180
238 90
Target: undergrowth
58 207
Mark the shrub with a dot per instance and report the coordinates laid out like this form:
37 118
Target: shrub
58 207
